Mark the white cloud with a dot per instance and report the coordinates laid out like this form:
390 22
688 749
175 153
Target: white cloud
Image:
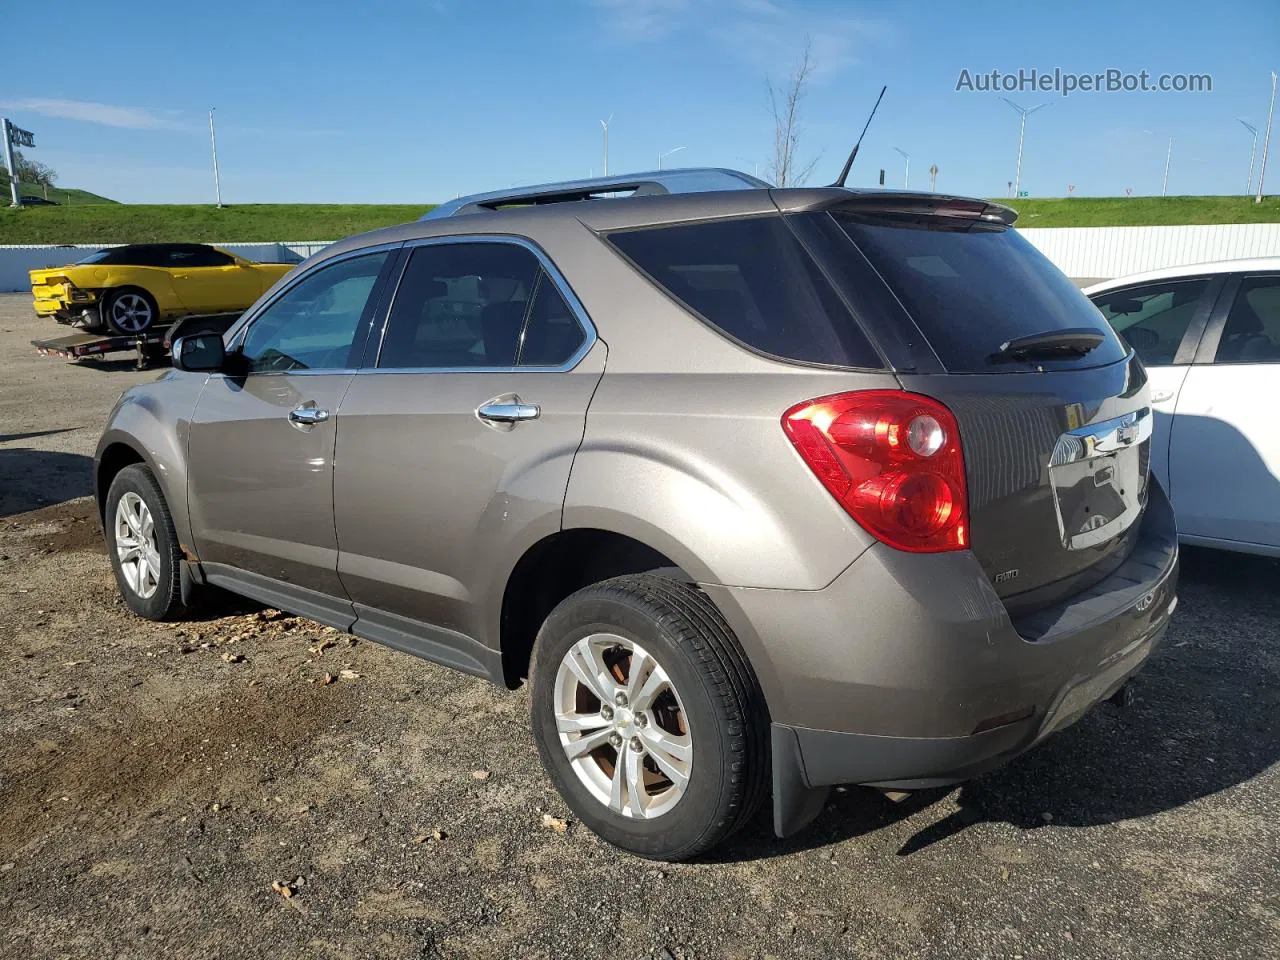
133 118
635 20
766 33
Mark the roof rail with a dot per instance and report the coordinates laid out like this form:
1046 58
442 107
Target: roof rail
652 183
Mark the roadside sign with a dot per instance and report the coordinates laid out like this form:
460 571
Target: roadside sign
1024 193
20 137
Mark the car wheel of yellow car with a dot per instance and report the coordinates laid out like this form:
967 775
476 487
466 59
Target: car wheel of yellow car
130 311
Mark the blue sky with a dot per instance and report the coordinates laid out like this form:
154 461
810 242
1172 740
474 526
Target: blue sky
420 101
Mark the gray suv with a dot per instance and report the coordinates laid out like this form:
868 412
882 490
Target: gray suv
761 490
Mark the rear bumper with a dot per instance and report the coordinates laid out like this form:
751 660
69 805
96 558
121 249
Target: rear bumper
908 672
65 307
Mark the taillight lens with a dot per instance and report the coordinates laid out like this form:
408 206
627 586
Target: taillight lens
893 461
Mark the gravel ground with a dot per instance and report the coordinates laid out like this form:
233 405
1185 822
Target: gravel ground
157 781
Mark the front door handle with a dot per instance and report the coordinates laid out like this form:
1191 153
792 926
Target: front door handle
1160 396
508 412
307 416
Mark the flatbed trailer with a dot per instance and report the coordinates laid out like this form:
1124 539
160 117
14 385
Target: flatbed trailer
150 347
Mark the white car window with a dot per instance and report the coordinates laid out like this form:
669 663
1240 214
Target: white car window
1153 318
1252 331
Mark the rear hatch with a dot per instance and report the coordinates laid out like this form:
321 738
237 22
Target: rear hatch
1053 412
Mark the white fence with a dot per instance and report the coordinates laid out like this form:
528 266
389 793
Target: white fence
1079 252
1105 252
15 261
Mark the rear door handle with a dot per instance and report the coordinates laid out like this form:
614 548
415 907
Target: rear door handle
1160 396
307 416
508 412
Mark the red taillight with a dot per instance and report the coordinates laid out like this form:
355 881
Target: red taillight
893 461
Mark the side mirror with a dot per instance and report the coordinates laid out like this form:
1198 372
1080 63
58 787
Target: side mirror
199 353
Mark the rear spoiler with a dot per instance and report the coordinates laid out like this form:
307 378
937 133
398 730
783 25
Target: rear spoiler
894 202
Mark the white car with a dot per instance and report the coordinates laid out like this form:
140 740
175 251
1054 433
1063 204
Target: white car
1209 336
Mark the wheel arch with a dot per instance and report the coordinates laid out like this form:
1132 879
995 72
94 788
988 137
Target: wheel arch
557 566
112 458
148 426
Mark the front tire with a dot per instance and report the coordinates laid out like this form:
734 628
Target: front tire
648 717
130 311
143 545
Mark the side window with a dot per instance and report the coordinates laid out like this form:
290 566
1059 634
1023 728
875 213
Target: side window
553 333
1153 318
184 256
1252 330
201 257
752 280
460 305
312 326
145 256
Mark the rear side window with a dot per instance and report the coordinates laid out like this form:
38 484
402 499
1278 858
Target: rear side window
198 257
753 281
462 305
1153 318
970 287
1252 331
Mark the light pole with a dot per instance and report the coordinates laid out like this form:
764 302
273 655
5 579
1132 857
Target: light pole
1266 141
755 166
604 124
663 156
1024 112
1168 158
1253 148
213 144
906 173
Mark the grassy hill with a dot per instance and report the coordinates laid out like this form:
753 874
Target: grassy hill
142 223
63 195
108 222
1143 211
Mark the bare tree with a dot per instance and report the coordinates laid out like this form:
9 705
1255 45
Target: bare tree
786 167
34 172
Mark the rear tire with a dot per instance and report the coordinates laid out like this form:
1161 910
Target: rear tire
91 321
699 766
143 545
130 311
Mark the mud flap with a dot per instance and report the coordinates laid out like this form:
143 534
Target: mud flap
188 578
795 803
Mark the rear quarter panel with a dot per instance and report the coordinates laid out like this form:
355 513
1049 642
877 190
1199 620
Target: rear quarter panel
155 280
684 448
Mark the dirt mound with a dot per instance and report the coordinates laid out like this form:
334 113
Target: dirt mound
64 528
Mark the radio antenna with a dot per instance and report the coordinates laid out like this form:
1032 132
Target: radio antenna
844 173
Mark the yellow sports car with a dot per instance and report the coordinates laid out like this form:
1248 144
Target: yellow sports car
134 288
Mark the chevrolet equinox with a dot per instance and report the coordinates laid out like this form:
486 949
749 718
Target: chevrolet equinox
760 490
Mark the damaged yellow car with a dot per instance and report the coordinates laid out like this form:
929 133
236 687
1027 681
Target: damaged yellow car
133 288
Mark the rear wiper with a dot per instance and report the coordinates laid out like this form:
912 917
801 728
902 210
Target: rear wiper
1052 344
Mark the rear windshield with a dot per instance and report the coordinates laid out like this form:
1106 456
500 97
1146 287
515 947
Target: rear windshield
970 287
752 280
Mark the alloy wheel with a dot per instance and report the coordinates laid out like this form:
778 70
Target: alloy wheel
135 541
131 313
623 727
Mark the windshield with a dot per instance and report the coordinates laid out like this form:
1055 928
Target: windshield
971 287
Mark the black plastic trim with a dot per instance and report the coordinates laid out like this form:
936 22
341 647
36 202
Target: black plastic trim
445 647
289 597
795 803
